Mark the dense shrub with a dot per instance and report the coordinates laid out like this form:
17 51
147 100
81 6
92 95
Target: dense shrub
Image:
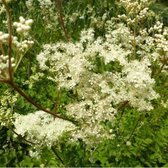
83 83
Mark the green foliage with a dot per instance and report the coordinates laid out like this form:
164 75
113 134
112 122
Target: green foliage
162 10
148 142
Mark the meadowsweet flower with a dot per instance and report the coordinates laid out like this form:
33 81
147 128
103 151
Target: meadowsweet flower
45 3
72 66
87 36
139 83
23 26
128 143
3 37
102 72
66 60
29 4
4 66
41 128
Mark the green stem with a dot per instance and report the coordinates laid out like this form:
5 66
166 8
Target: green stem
16 88
56 154
135 127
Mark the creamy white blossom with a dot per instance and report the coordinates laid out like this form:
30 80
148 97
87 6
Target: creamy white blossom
71 66
23 26
101 72
41 128
4 66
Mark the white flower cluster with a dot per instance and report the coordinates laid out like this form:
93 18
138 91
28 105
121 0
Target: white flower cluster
136 11
19 45
153 42
72 66
23 26
66 60
24 45
41 128
134 7
102 72
87 36
137 85
45 3
3 37
4 64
